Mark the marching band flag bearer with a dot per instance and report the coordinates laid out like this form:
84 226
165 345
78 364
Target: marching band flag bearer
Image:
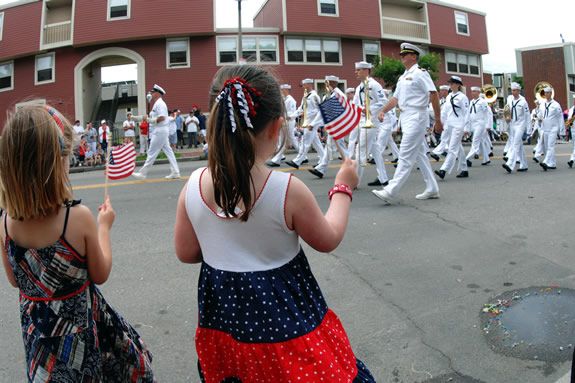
520 119
479 121
291 114
308 115
551 116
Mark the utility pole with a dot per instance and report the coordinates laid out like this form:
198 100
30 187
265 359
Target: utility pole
240 47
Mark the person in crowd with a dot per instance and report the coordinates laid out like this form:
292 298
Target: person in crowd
129 127
192 126
105 135
144 129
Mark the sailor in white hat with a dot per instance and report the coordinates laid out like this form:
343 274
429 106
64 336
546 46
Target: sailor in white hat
308 110
160 139
571 125
518 125
551 116
291 115
368 88
535 127
412 94
479 121
455 114
445 135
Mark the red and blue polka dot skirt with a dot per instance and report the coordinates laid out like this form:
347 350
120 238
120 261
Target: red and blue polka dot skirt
271 326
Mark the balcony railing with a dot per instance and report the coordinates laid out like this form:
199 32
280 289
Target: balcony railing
58 33
400 28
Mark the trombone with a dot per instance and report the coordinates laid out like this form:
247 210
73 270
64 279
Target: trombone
368 123
304 121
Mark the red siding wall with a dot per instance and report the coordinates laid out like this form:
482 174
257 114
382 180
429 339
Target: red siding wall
442 30
356 18
271 15
147 19
468 81
21 30
545 65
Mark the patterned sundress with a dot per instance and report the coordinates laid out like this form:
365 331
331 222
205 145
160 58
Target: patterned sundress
71 334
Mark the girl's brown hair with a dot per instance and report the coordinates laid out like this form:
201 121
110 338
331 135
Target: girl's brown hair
34 152
244 100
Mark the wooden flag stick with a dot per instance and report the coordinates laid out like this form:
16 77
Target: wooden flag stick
108 148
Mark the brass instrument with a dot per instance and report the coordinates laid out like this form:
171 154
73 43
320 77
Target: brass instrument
540 94
305 121
569 122
490 93
368 123
507 113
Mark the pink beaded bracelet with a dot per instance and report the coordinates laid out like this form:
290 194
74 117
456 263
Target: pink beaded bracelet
340 188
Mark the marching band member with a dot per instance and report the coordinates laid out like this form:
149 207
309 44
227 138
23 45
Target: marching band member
536 127
352 141
446 134
487 138
412 94
455 114
291 114
367 136
479 121
308 115
571 124
551 116
517 127
384 139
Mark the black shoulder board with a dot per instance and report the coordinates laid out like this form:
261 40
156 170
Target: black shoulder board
423 69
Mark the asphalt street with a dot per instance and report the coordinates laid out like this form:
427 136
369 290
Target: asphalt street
409 281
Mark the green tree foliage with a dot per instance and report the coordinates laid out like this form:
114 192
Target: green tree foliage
389 69
519 80
431 62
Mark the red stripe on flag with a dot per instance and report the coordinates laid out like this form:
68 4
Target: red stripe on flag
124 158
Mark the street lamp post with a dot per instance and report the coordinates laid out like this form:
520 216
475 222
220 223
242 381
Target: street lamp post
240 47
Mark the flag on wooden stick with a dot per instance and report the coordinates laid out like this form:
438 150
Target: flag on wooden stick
122 161
339 116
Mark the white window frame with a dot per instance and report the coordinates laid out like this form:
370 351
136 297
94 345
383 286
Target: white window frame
53 79
128 12
319 12
1 24
258 61
322 39
11 63
457 54
187 65
370 42
455 14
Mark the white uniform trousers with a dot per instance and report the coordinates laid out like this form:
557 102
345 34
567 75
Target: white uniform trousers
517 151
478 145
549 140
383 139
143 143
412 151
324 161
352 142
291 139
310 138
455 152
393 146
539 148
509 143
573 138
445 137
365 137
160 142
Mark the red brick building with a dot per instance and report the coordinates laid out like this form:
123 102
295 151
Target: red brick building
53 50
555 64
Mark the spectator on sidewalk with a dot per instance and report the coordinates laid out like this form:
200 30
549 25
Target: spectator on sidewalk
173 129
202 125
192 124
105 135
144 126
129 129
91 137
180 129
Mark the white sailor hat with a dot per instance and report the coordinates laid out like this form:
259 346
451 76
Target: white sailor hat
103 122
285 86
410 48
475 89
159 89
455 80
444 87
515 85
363 65
548 89
352 90
332 78
307 81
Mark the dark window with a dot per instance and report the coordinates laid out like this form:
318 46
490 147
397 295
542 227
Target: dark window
228 57
44 75
119 11
462 28
571 83
331 57
313 56
5 82
463 68
178 58
452 67
328 9
473 69
268 56
250 56
295 56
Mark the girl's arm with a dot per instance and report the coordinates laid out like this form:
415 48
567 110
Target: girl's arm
186 242
98 244
323 233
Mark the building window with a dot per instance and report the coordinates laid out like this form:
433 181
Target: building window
118 9
45 69
462 63
572 84
178 53
256 49
6 76
371 50
1 24
461 23
324 51
327 7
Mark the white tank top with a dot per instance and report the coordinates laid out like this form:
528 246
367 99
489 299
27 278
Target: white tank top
264 242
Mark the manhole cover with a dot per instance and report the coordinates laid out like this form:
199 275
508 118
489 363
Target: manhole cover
536 323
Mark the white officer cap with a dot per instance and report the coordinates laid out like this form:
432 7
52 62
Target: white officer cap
363 65
307 81
103 122
352 90
410 48
515 85
475 89
455 80
159 89
332 78
444 87
285 86
548 89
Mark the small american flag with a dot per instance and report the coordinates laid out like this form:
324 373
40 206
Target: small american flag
122 161
340 117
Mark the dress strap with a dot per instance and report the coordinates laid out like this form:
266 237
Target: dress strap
68 205
5 224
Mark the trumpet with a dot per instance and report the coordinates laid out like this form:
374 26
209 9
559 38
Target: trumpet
304 121
368 123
